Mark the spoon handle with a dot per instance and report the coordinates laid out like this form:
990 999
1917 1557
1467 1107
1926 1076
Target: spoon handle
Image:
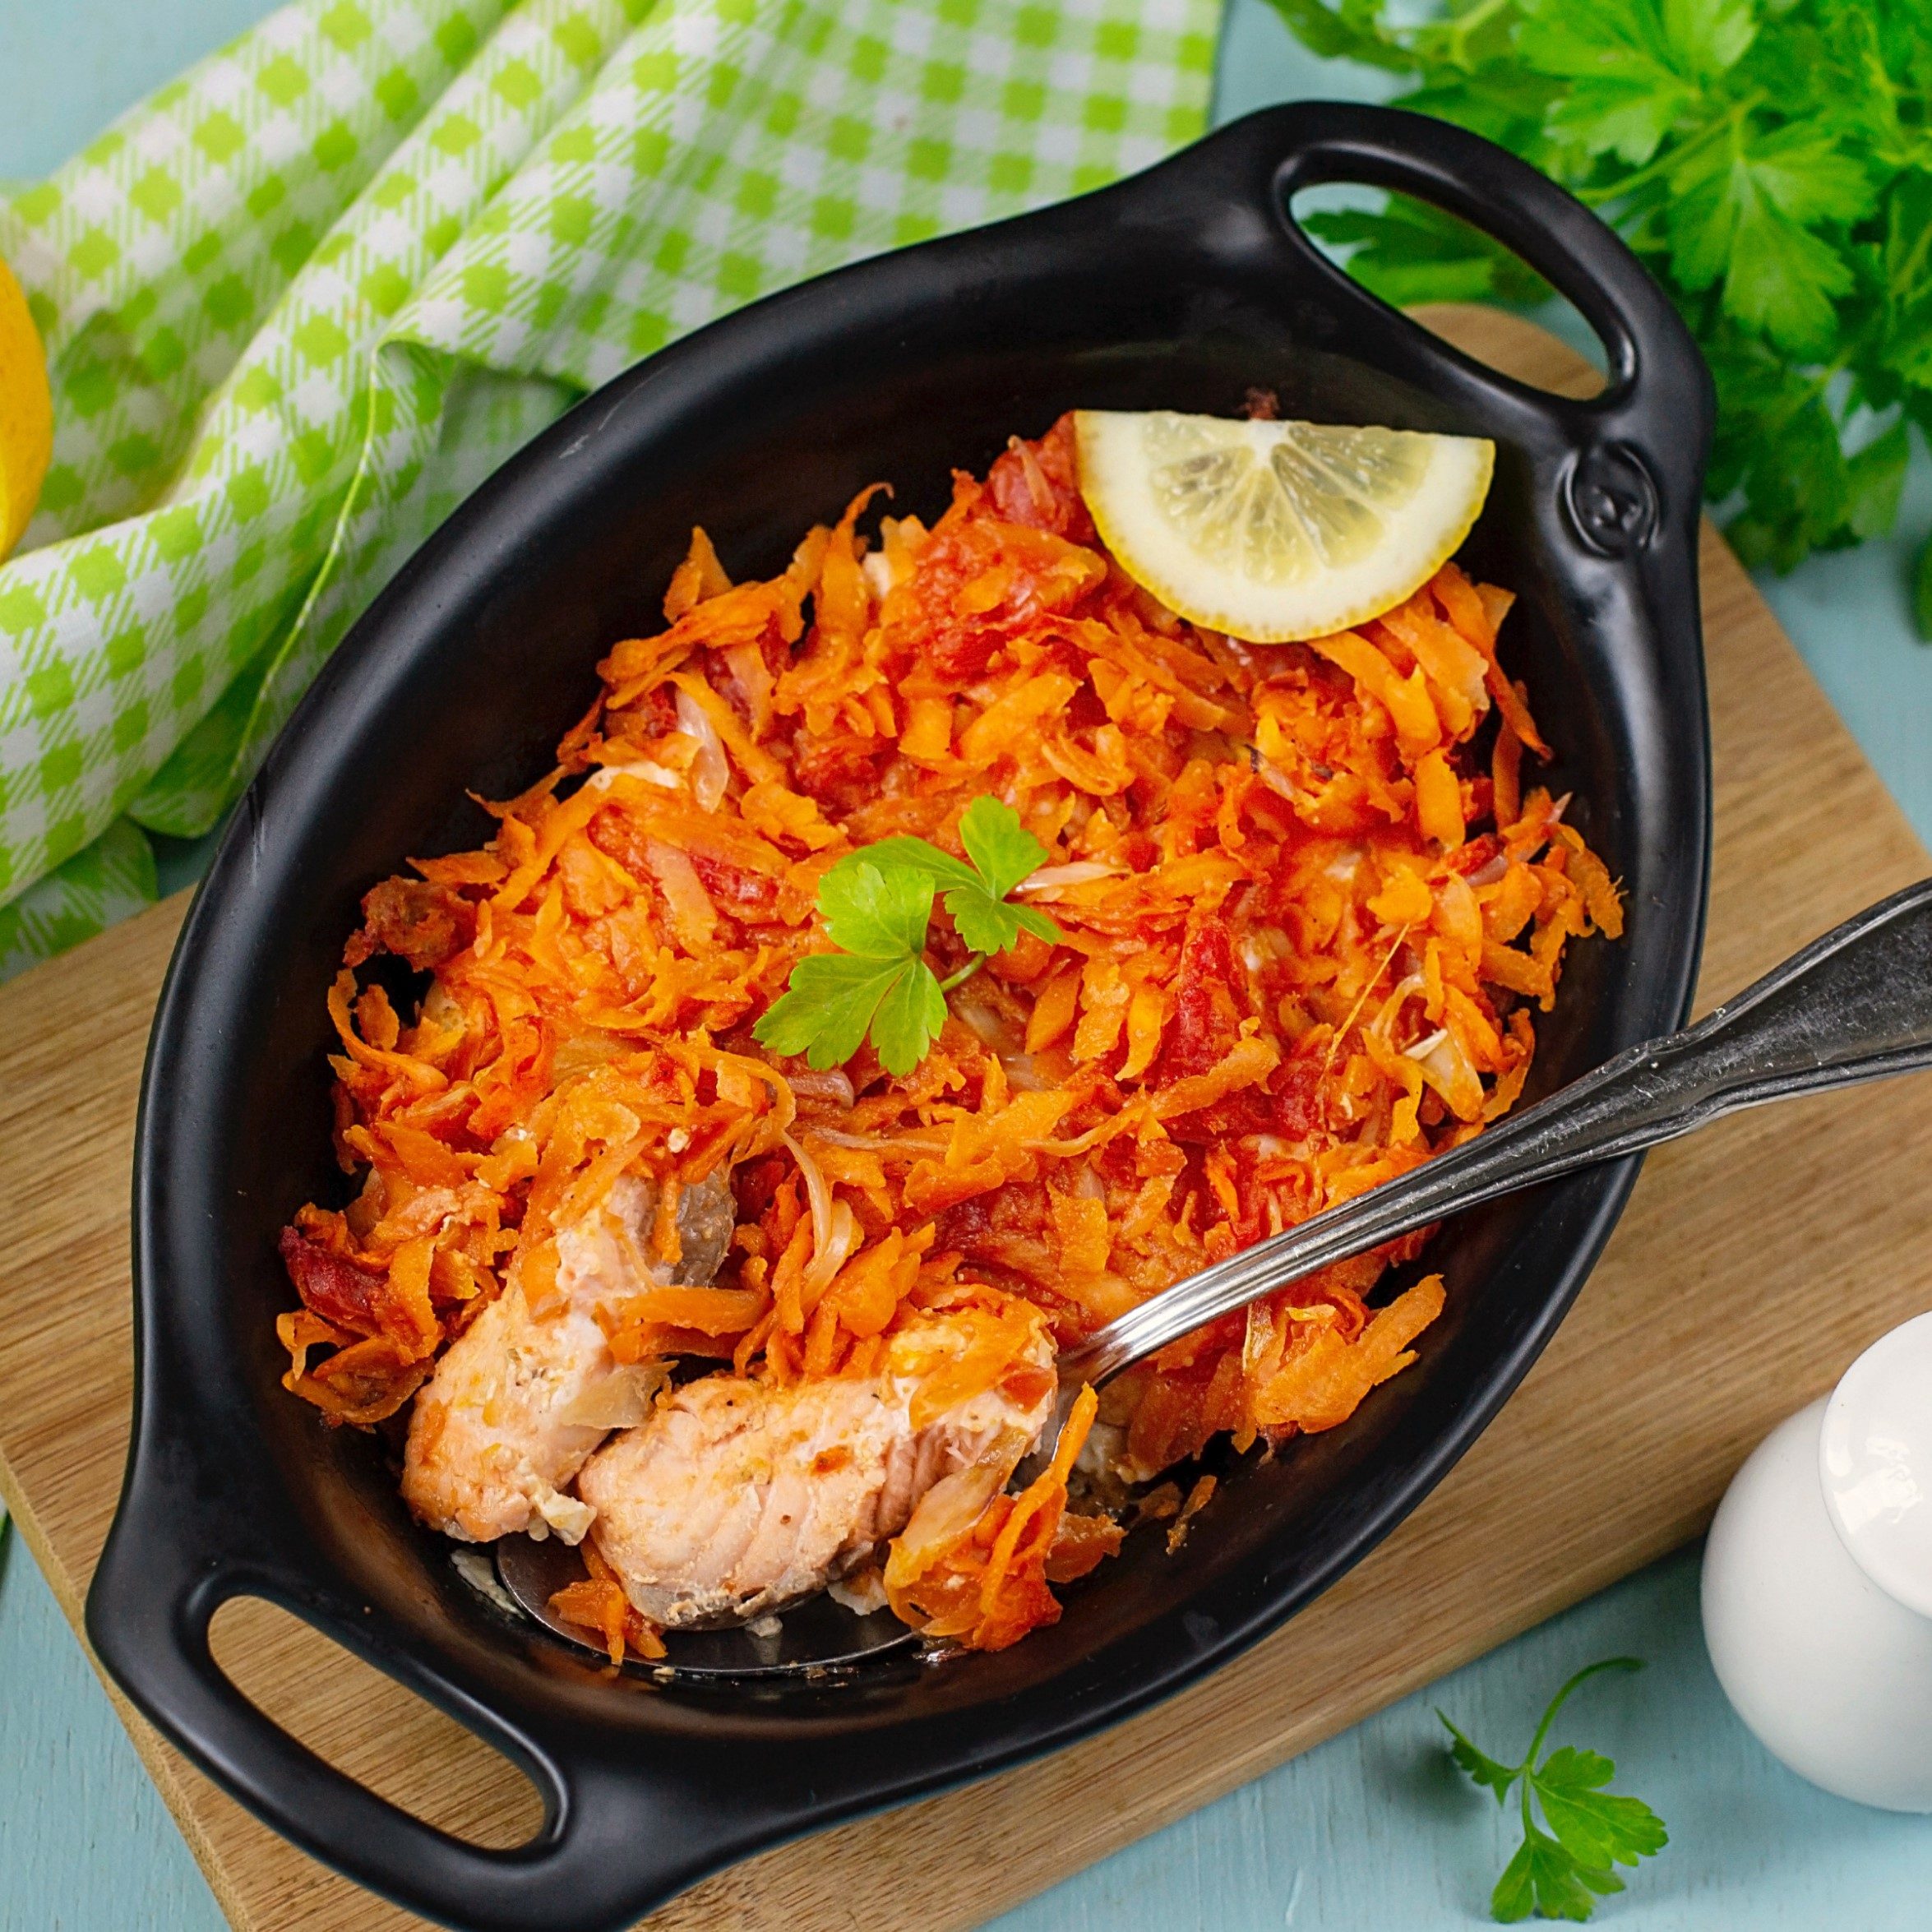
1853 1006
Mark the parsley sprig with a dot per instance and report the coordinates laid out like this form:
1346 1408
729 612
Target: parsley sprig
1589 1830
1770 163
876 904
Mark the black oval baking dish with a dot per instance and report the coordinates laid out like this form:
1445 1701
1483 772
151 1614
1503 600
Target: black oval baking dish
1182 288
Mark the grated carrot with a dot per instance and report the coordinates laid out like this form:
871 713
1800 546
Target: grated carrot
1306 892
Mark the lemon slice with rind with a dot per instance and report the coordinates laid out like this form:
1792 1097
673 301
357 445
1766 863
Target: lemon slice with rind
1272 531
26 413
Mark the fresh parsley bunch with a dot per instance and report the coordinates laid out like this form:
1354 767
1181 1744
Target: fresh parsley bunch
876 903
1771 164
1589 1830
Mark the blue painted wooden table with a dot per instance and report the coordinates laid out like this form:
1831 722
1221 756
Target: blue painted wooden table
1372 1829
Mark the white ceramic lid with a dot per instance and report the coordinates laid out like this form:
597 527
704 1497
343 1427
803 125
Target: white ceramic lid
1874 1460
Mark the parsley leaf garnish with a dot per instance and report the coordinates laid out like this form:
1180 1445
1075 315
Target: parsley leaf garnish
1002 852
1586 1831
876 904
1769 161
878 984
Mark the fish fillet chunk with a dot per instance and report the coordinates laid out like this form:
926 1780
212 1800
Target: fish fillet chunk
520 1400
737 1497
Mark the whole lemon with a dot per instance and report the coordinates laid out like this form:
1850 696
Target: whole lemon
26 413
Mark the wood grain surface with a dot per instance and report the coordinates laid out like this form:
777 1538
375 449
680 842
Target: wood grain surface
1726 1299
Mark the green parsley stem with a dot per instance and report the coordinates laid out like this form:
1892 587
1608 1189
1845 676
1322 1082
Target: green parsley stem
1670 157
1908 272
1819 382
964 973
1527 1773
1461 28
1608 1663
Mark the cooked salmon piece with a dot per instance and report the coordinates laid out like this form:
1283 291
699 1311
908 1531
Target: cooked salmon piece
520 1400
736 1497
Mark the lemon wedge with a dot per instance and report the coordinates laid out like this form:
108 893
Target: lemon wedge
1271 531
26 413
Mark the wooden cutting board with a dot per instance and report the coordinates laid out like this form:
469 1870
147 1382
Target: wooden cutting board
1753 1262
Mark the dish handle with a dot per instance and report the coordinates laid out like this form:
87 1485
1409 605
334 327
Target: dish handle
1633 455
597 1847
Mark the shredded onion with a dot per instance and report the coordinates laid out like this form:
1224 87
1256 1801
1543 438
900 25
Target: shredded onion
605 775
1024 1075
709 771
766 1131
620 1401
691 905
754 676
1050 879
991 1026
834 1084
1446 1068
848 1236
835 1231
945 1514
933 1142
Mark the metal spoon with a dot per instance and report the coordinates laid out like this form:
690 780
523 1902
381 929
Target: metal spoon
1853 1006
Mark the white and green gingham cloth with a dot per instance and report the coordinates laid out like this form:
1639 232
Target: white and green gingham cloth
300 302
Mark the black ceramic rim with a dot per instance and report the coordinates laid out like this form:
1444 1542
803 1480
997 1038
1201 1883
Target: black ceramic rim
647 1789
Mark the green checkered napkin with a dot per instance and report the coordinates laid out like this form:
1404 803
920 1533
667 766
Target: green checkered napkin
301 302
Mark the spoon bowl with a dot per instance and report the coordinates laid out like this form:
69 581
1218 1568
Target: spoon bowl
817 1634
